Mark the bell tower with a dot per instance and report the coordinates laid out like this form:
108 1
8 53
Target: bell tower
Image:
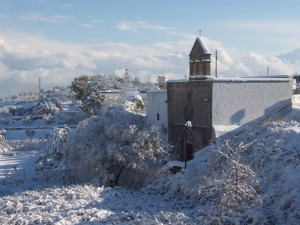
200 59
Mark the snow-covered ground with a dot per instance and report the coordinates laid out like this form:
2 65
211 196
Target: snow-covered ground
268 164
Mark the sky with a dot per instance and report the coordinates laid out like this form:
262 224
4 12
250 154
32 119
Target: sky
58 40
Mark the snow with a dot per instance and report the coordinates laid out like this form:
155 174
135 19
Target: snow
203 45
23 162
194 195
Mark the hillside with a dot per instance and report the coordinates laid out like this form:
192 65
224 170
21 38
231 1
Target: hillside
249 178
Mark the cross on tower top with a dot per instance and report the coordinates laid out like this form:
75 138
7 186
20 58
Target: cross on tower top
200 32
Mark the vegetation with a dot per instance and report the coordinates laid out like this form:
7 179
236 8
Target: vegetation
5 148
93 99
88 90
79 87
107 146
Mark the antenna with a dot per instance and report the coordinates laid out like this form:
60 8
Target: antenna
39 87
267 71
216 71
200 32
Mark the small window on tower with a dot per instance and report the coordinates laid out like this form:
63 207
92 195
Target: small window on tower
157 116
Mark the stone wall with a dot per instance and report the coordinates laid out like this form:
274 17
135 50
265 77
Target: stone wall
189 101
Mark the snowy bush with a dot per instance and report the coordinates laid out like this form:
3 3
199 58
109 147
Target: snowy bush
106 146
18 111
47 106
5 148
52 154
135 103
4 111
48 118
235 184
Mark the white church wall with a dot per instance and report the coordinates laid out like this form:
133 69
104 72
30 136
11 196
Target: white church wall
157 110
238 102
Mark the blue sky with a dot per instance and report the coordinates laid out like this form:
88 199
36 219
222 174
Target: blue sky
61 39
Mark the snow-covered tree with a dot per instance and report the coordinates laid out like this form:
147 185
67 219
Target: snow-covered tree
93 100
106 146
30 132
234 181
79 87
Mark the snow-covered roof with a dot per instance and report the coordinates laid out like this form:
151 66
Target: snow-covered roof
282 78
203 45
157 91
252 79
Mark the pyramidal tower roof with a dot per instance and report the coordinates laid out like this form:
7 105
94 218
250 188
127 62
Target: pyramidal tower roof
203 45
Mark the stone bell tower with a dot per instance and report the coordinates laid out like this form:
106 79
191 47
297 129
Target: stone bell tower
200 59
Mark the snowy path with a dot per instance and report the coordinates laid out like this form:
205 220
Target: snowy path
24 162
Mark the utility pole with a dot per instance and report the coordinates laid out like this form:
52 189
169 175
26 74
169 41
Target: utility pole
39 88
216 71
267 71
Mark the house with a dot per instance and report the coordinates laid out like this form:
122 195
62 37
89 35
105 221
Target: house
162 81
157 110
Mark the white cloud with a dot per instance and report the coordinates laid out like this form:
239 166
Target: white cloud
252 64
42 18
277 35
86 25
138 25
24 58
265 26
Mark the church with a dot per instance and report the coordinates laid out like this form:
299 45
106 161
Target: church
203 108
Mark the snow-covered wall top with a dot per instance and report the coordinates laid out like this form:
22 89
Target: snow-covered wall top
240 101
277 78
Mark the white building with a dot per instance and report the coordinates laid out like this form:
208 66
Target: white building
248 100
162 81
157 113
